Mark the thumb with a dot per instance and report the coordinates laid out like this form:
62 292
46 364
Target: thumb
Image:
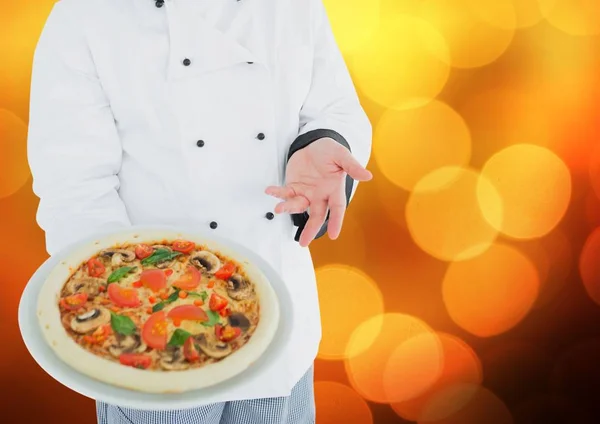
351 166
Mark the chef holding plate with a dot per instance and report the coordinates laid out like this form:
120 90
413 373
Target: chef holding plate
238 117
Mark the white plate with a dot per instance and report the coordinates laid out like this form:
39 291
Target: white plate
43 354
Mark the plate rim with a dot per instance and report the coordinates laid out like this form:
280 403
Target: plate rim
50 362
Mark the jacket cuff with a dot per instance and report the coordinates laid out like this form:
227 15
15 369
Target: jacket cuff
300 219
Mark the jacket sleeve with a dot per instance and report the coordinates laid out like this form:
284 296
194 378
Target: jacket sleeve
331 108
73 148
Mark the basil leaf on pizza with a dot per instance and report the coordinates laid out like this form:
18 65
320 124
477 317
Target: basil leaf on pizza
122 324
159 307
213 319
203 295
160 256
172 298
179 337
119 273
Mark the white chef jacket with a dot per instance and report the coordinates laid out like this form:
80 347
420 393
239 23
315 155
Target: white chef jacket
182 115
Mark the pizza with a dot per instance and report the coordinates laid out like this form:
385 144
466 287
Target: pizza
159 307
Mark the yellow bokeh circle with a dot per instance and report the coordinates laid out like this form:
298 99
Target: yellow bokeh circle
444 216
465 26
575 17
411 142
508 14
404 61
13 156
490 294
535 186
527 12
352 21
347 297
337 403
384 354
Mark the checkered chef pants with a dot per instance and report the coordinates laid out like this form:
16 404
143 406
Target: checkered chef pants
298 408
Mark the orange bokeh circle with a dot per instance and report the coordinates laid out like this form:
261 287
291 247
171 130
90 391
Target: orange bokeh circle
575 17
413 367
383 353
337 403
13 159
535 186
444 213
347 297
491 293
484 406
589 265
422 139
466 27
461 365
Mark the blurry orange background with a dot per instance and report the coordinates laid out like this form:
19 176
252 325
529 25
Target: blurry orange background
465 288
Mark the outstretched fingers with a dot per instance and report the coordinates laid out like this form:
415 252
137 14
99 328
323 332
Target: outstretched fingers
350 165
317 216
337 210
296 204
285 192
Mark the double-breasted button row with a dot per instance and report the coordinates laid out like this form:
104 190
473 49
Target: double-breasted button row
160 3
201 143
269 215
187 61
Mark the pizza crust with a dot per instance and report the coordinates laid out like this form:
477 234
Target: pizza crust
151 381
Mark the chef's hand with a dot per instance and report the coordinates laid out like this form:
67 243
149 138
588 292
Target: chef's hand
316 178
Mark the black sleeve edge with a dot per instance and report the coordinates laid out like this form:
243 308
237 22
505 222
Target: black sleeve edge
301 142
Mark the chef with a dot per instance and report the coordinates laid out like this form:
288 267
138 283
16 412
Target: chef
233 117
